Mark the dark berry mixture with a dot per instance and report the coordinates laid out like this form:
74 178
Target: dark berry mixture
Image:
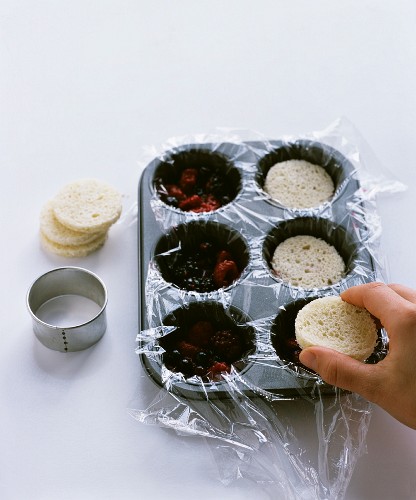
205 351
292 351
204 269
197 190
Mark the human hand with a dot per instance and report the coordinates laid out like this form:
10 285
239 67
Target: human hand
391 383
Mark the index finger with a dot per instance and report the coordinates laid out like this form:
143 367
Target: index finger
404 291
379 300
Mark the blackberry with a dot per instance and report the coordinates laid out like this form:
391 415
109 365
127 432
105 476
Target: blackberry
227 345
197 269
202 359
200 371
172 359
171 200
186 366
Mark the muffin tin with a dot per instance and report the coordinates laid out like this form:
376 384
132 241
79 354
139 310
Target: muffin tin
250 224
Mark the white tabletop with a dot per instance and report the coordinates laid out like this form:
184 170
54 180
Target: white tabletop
85 88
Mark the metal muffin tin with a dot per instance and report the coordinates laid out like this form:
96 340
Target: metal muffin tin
261 306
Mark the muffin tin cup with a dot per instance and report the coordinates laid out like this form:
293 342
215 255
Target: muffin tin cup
283 339
343 240
339 168
229 160
253 225
174 328
186 239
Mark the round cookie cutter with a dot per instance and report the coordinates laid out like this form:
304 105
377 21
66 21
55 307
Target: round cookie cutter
62 281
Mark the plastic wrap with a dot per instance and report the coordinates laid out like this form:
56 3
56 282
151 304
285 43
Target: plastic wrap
261 408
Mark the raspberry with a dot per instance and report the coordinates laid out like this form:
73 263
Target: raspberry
190 203
223 255
217 368
200 333
188 179
225 273
187 350
176 192
208 204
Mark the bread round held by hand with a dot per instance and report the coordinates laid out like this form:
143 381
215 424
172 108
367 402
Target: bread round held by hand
336 324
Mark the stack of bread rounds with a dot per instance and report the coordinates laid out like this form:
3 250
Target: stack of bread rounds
334 323
76 222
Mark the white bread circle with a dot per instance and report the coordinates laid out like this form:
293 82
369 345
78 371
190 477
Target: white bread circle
307 262
71 251
299 184
334 323
55 232
87 206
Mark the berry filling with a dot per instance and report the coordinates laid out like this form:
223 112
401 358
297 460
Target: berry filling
197 190
290 352
204 350
204 269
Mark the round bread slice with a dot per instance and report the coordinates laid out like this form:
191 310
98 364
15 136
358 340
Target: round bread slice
334 323
299 184
55 232
87 206
307 262
71 251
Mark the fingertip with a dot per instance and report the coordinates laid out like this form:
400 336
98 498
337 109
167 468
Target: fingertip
355 294
379 299
308 358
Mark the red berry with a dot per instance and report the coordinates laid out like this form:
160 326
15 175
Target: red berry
175 191
188 179
190 203
224 255
187 350
200 333
225 273
217 368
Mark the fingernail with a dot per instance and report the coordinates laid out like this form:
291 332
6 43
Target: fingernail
308 359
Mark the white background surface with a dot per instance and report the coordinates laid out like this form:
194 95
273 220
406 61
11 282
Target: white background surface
85 86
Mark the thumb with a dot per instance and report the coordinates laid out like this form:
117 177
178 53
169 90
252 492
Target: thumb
342 371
